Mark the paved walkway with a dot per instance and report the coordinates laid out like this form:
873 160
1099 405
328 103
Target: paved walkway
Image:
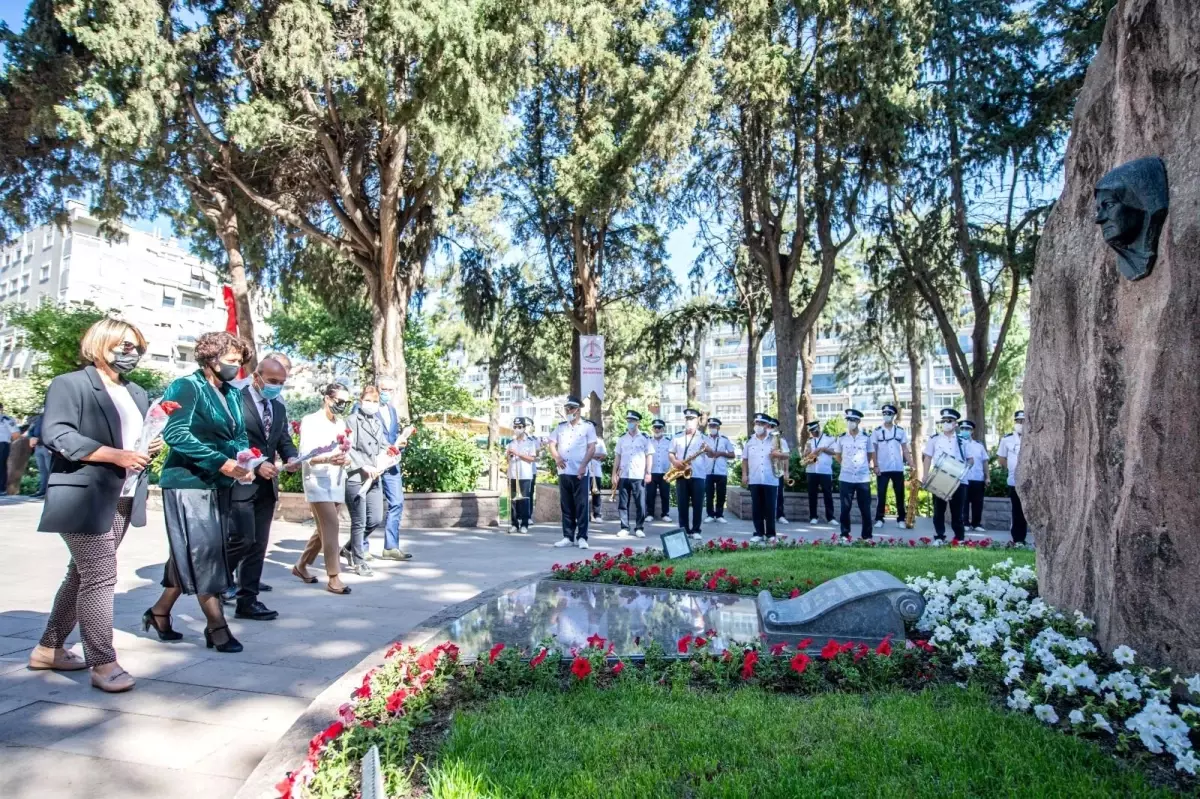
198 721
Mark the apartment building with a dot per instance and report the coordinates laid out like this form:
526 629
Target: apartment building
171 295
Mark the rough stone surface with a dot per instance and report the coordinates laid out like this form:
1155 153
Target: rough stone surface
1108 472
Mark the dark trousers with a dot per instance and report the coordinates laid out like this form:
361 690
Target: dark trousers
658 488
249 535
520 510
1019 528
4 447
762 502
631 502
881 487
689 495
596 486
573 502
956 514
779 499
849 493
973 505
714 494
366 515
824 484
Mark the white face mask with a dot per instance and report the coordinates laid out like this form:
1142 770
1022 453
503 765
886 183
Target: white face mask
712 431
658 433
369 408
759 429
572 414
947 427
1018 427
852 425
888 418
691 425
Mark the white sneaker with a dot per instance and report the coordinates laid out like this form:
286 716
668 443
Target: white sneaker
664 518
756 539
721 520
878 524
623 534
981 529
813 521
710 519
937 542
582 543
524 531
512 529
563 542
695 536
638 534
782 520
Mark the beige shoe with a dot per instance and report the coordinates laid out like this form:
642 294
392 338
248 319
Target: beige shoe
61 660
117 682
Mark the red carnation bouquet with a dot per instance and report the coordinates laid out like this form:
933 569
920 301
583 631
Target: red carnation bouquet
250 459
155 422
385 460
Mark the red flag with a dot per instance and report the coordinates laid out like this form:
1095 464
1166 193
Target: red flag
231 320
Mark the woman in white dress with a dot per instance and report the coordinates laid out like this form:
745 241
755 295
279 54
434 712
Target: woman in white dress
325 483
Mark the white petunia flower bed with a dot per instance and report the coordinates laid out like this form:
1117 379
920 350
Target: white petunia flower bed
994 628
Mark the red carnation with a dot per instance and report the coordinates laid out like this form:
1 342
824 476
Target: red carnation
683 644
860 652
690 575
494 653
427 661
395 702
296 427
885 647
538 658
256 452
618 667
830 650
778 649
670 571
748 664
795 593
805 644
712 584
393 450
699 642
627 552
169 407
595 640
800 662
581 668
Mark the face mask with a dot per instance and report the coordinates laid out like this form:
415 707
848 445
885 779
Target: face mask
228 371
947 427
964 434
852 425
712 431
631 427
125 362
572 415
658 433
1018 427
270 391
339 407
385 397
519 432
691 425
888 417
759 429
369 408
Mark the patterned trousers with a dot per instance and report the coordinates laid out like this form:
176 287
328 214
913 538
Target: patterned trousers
86 595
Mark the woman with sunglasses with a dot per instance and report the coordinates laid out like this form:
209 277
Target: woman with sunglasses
325 483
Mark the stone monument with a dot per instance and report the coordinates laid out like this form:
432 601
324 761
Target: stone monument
860 607
1111 457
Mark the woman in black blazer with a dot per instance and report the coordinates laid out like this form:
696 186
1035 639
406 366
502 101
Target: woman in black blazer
97 488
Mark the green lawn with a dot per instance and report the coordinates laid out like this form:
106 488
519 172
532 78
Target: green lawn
823 563
641 741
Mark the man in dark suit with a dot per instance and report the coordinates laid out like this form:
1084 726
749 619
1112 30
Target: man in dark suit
268 430
393 483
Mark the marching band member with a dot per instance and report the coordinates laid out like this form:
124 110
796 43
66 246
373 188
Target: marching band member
660 463
522 454
629 470
758 475
1009 454
855 452
948 442
572 445
976 476
819 473
773 431
689 493
718 478
596 476
891 456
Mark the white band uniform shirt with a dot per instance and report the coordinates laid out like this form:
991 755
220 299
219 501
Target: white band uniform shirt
718 466
1010 448
951 446
8 426
889 453
323 482
595 468
856 465
975 449
824 462
131 430
572 442
660 463
756 453
633 452
517 468
685 445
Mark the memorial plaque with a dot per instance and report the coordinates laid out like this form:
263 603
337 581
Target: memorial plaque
676 544
860 607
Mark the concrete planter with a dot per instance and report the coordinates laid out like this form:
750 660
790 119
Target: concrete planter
548 510
475 509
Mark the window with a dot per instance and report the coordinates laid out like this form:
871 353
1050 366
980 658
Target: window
168 302
943 376
160 358
29 246
830 408
727 366
45 273
544 413
506 395
679 410
944 401
24 281
48 238
12 286
728 411
194 301
825 361
769 361
505 409
824 384
899 379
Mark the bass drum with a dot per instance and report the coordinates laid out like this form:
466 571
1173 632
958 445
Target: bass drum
945 476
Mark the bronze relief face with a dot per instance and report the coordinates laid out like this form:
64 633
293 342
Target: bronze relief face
1131 206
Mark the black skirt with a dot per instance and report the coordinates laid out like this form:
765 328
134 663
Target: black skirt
197 521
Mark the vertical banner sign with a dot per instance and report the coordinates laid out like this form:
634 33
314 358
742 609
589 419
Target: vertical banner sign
591 366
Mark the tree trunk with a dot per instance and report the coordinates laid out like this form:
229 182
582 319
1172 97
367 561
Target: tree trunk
808 357
786 359
493 435
389 312
231 240
974 396
752 347
586 323
692 366
916 412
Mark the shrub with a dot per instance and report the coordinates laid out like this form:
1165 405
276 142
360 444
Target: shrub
436 462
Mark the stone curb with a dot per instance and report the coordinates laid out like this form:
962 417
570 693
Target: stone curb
289 750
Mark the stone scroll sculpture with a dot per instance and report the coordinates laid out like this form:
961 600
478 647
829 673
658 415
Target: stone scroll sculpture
1131 206
860 607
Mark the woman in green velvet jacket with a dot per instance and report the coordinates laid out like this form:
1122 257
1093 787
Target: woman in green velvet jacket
205 436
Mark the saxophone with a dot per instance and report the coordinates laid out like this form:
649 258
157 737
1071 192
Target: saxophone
685 471
914 489
777 465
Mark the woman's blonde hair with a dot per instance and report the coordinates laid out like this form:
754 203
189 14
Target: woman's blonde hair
103 336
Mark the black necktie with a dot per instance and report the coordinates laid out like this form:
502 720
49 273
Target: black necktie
267 415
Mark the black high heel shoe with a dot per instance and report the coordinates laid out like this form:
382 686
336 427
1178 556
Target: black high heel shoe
231 645
164 633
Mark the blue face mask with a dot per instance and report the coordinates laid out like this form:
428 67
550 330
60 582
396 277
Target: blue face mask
385 397
964 434
271 392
